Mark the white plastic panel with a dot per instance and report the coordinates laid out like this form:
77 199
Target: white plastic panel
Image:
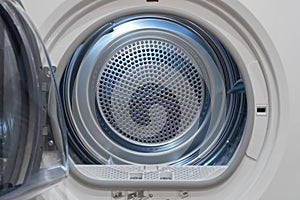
261 102
151 173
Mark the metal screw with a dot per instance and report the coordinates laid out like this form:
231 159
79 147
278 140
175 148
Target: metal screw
51 143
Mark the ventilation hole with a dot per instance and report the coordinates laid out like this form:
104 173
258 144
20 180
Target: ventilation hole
261 110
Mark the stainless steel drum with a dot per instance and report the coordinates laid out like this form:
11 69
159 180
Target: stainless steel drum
152 89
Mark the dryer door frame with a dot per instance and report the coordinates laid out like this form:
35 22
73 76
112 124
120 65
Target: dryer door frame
30 119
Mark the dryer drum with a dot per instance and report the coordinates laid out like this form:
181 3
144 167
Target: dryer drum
157 92
153 89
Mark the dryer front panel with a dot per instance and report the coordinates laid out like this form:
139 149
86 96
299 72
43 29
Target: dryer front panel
166 94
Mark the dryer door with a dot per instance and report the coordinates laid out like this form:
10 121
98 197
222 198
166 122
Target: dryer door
32 139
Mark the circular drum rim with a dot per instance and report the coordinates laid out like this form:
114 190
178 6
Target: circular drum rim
173 152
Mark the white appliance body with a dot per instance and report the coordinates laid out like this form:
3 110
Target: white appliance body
270 174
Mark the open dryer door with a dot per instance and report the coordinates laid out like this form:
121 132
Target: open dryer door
32 139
